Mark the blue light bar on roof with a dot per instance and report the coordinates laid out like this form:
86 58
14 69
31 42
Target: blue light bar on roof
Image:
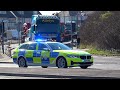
40 40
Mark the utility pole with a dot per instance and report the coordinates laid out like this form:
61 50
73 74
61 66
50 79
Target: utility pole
16 25
64 16
77 20
2 36
71 33
80 18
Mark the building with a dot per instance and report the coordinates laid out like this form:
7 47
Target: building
23 16
77 16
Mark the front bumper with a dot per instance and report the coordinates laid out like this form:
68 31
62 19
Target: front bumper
81 63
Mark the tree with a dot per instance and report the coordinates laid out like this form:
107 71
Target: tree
102 29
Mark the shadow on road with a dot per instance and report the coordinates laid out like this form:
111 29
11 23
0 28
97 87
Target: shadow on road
55 76
1 56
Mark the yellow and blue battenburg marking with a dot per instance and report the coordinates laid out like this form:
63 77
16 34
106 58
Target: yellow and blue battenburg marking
45 60
21 53
37 56
54 54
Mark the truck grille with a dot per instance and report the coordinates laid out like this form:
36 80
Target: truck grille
85 57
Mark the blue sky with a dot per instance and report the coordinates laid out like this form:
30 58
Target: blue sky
48 12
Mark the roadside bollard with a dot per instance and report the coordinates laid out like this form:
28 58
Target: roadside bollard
9 49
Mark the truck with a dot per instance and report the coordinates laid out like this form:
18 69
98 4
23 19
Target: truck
45 27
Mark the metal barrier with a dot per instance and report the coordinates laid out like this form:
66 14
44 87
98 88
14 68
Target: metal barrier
7 37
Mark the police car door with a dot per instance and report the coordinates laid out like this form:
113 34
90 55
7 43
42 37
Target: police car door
31 53
45 54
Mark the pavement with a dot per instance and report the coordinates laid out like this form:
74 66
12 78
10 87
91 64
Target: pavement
5 59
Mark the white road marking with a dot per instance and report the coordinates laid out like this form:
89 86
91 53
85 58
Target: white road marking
94 66
8 65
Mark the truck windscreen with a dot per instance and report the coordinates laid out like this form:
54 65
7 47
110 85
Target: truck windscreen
47 25
68 26
48 21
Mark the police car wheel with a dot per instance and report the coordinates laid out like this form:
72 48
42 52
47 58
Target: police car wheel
22 62
61 63
84 67
44 66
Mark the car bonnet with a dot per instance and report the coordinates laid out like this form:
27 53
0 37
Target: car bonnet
79 52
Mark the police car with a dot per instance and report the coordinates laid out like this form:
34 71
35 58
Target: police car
48 53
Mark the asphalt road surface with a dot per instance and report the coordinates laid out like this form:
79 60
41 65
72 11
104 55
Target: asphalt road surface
103 68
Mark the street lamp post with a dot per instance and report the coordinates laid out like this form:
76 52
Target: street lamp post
71 33
16 24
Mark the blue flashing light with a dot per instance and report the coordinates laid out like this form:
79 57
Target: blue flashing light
40 40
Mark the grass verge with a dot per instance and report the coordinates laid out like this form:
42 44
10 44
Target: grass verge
95 51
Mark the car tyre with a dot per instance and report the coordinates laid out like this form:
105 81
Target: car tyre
84 67
61 62
44 66
22 62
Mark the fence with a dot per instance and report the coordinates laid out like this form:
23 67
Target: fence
78 18
9 37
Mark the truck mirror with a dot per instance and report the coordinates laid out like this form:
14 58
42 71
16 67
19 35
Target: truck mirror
34 27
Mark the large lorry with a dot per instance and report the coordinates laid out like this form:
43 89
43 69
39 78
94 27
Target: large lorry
45 28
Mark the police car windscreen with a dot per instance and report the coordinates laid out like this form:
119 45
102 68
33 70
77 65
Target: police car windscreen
58 46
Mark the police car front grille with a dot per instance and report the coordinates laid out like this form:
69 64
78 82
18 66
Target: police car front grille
88 57
85 57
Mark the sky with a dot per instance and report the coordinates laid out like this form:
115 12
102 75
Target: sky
48 12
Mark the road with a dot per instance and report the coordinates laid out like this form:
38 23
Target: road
103 68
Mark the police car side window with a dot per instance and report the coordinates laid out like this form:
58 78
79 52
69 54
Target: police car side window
41 46
32 46
25 46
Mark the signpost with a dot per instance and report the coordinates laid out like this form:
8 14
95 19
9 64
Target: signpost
2 22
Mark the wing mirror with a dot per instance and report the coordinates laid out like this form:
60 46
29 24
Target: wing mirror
34 28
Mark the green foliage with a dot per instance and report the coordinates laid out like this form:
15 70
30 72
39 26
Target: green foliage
105 15
103 34
103 52
98 52
83 46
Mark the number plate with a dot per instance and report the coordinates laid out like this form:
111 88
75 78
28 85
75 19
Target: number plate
86 60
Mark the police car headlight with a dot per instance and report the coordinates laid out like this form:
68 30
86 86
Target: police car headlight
72 56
